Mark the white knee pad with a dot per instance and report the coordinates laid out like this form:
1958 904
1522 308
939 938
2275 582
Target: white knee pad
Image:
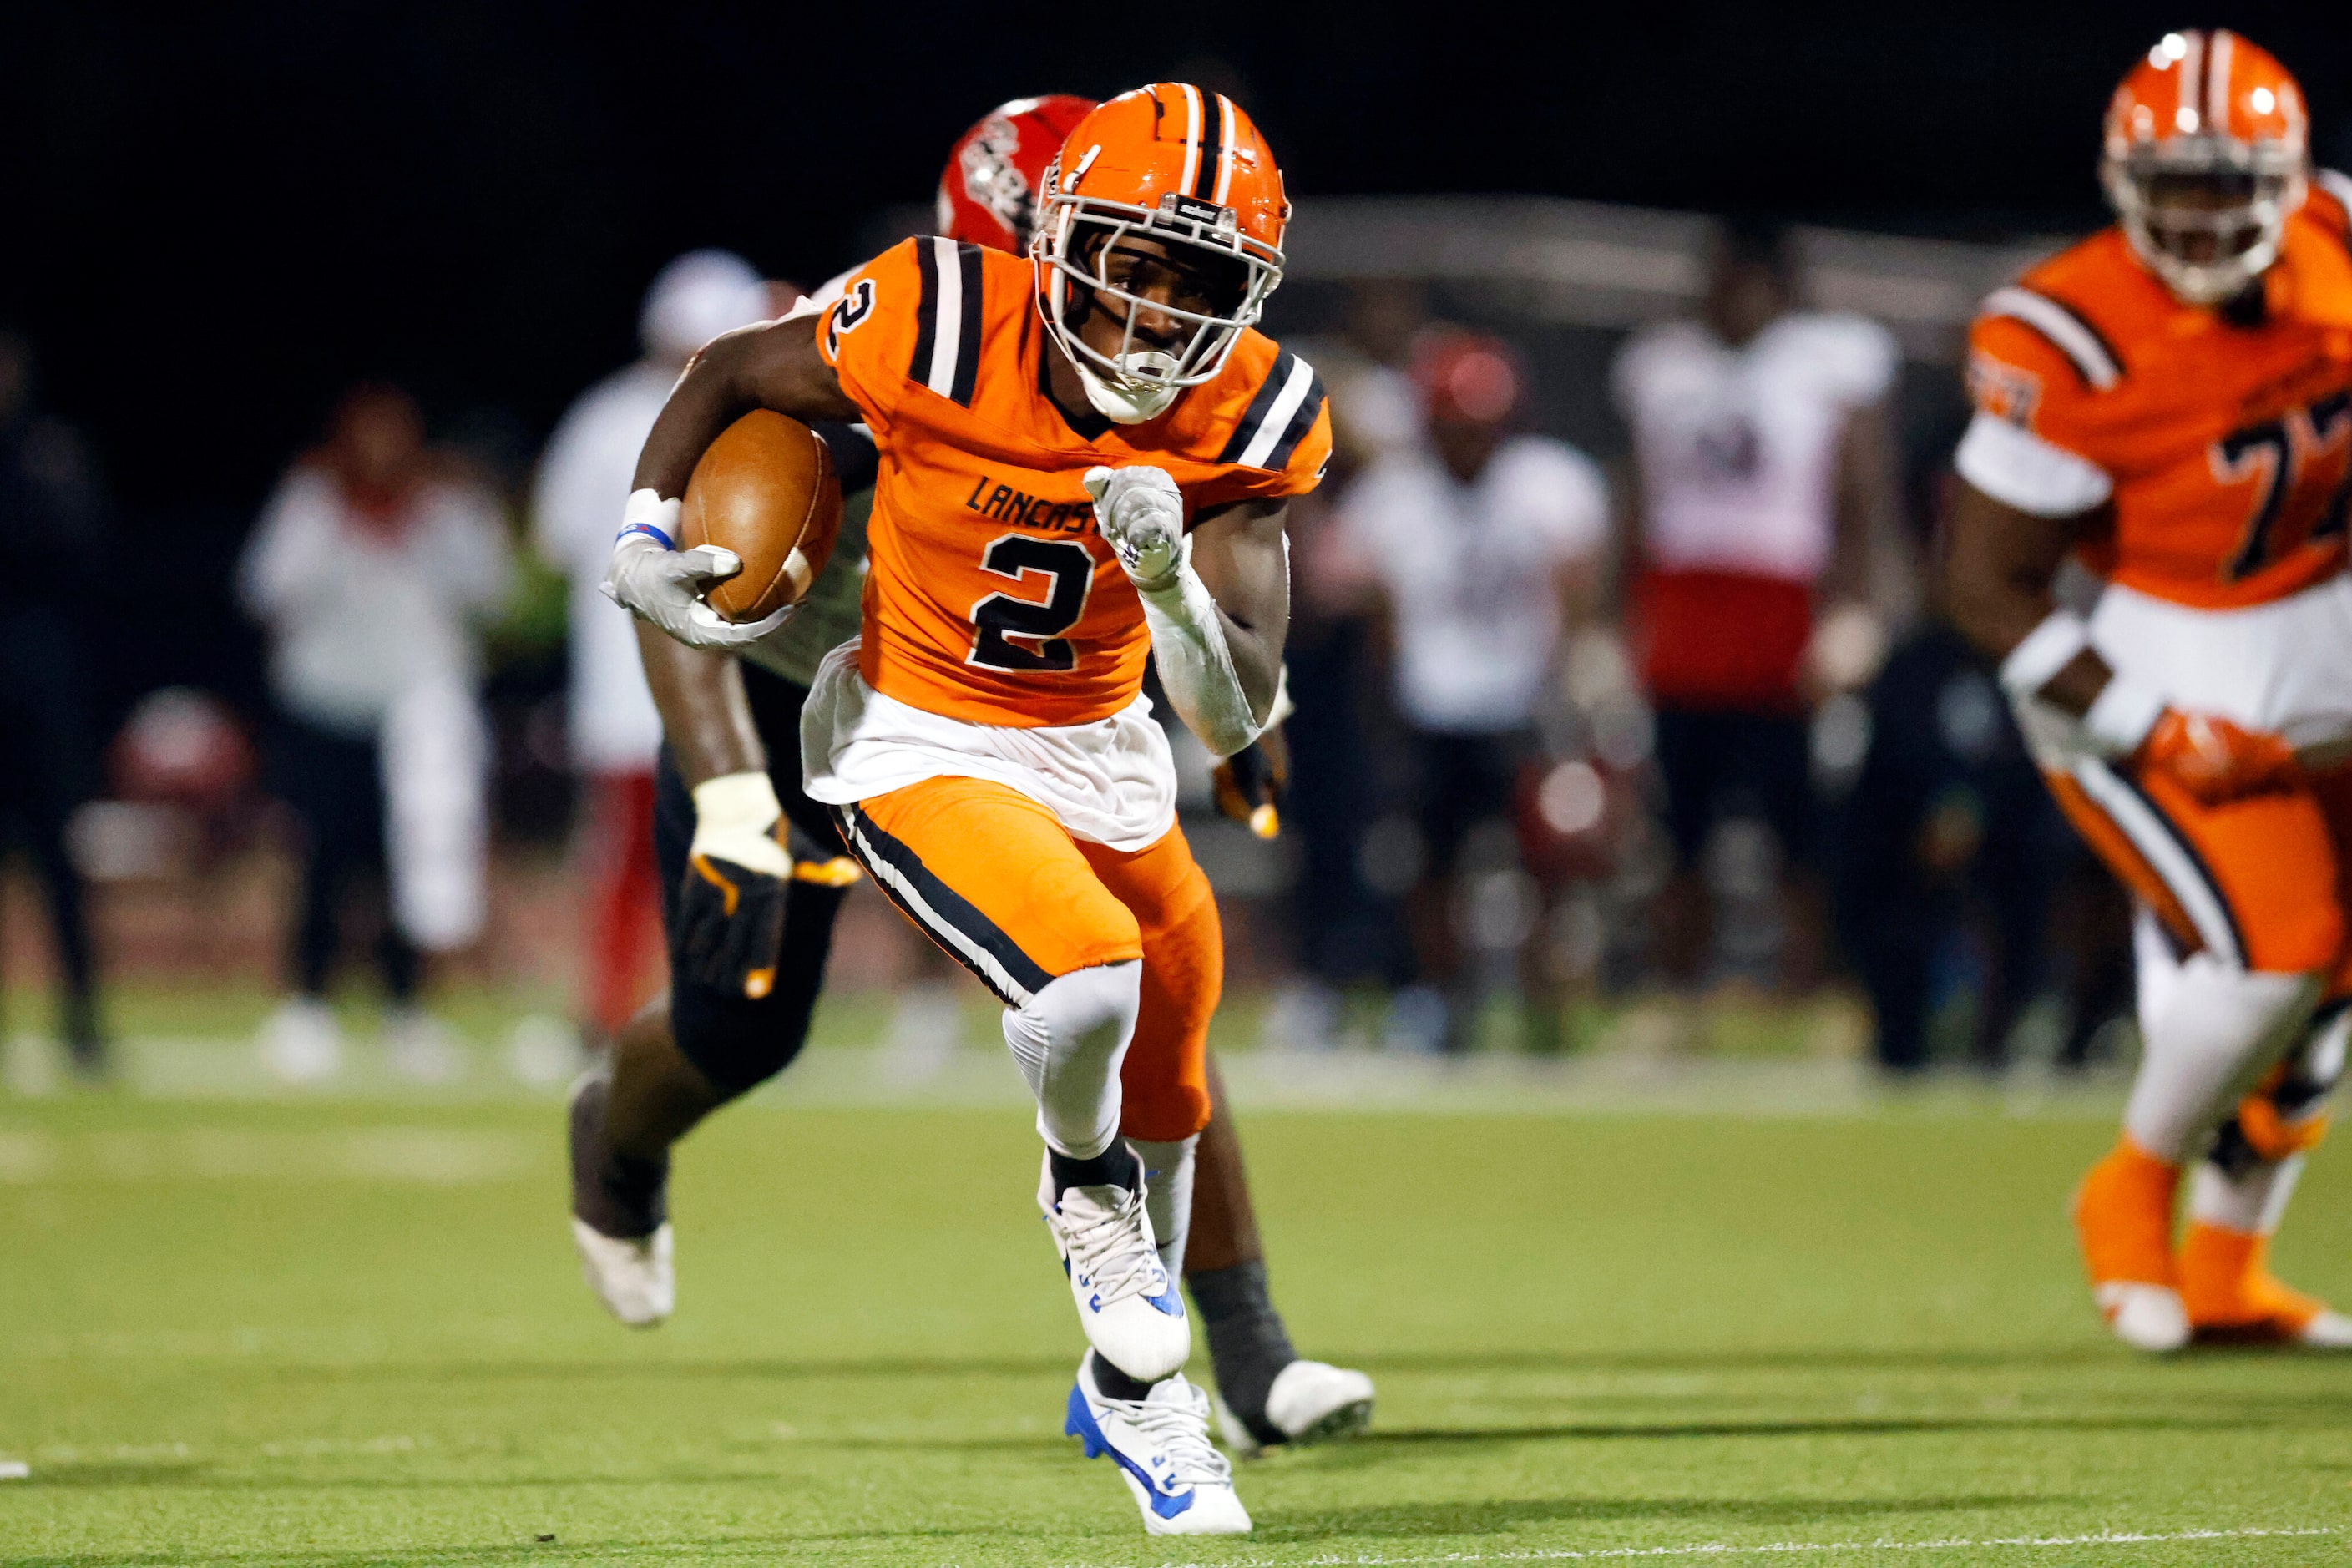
1168 1185
2208 1031
1069 1038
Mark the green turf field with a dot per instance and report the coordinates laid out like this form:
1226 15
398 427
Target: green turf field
351 1332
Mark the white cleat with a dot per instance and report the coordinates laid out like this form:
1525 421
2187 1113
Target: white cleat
1130 1309
2331 1331
2146 1317
1310 1401
301 1042
1160 1442
633 1276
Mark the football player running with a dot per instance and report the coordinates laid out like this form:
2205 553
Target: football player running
2169 404
1083 459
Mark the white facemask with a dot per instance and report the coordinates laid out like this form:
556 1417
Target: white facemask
1125 401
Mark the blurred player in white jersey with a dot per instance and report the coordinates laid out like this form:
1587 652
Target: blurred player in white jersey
1762 477
583 480
1483 539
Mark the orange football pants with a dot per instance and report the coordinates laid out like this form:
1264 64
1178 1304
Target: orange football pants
2264 881
995 879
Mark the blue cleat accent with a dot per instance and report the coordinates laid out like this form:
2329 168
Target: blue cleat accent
1080 1424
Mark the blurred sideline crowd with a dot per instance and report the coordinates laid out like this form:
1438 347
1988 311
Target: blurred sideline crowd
1674 722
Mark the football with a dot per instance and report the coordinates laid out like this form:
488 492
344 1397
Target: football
767 490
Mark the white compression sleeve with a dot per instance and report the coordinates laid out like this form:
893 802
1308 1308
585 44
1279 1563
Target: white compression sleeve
1196 668
1167 1196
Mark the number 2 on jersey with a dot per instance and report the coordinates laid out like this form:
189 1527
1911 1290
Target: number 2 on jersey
1001 617
2276 452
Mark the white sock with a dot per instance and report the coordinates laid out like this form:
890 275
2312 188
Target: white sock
2251 1203
1069 1039
2252 1199
2207 1032
1168 1184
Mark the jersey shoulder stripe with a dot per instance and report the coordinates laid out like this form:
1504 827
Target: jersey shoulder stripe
1285 409
947 319
2067 329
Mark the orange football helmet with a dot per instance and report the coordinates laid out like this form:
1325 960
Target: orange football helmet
2207 154
1182 167
988 192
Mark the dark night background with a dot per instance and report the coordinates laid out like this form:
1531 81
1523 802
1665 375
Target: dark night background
219 215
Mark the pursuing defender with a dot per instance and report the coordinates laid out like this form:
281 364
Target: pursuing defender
1084 459
2171 404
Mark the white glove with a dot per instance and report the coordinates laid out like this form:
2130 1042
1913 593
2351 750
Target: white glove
1141 514
665 585
735 818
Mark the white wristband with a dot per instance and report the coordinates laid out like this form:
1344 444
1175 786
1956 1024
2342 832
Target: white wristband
651 516
737 801
2121 717
2045 650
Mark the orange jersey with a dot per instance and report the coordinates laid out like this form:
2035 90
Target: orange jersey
989 595
2227 444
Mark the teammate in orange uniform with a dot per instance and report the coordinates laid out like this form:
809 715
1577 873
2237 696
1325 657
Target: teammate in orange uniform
2171 401
1086 458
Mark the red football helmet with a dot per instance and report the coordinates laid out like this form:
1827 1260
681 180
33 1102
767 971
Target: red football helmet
1186 170
1467 378
2207 154
988 192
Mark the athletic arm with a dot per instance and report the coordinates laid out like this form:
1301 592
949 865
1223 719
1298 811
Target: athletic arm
705 716
1243 557
2003 562
729 912
773 366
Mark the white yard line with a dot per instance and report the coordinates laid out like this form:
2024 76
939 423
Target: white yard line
1772 1549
